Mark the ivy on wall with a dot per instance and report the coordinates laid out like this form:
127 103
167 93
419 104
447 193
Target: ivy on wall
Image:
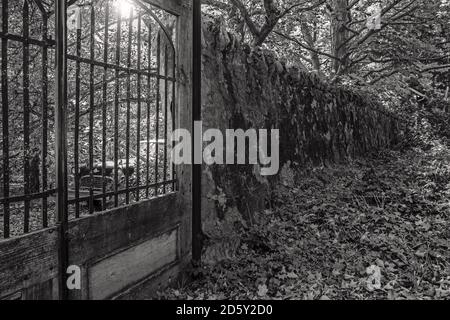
245 88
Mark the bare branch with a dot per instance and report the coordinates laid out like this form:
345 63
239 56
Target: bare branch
304 9
245 14
306 47
352 4
445 66
371 32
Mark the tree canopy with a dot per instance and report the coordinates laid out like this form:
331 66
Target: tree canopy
394 48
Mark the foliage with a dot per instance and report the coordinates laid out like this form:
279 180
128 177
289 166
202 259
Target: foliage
331 38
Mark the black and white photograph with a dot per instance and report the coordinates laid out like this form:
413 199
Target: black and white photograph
224 158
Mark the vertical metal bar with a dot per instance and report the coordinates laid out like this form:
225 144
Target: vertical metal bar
173 112
105 102
77 125
127 143
166 100
149 96
116 114
91 113
139 110
158 101
5 120
26 115
61 139
44 120
197 234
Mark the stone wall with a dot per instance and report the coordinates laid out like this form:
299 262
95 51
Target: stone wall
319 124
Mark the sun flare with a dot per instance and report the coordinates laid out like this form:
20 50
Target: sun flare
124 7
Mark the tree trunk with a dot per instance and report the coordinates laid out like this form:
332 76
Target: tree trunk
340 16
307 34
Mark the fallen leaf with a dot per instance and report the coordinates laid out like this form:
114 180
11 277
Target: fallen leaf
374 279
262 290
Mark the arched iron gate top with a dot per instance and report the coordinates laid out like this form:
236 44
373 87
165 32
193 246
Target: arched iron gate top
139 3
158 21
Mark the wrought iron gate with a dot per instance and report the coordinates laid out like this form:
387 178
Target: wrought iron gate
91 90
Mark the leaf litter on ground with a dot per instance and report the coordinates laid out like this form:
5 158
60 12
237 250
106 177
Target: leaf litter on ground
376 228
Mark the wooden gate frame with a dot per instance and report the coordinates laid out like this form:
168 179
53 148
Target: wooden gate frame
112 249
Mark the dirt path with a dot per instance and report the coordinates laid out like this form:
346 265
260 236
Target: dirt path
374 229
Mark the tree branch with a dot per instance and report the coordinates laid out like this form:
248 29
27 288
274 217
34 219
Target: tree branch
246 16
371 32
304 9
306 47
